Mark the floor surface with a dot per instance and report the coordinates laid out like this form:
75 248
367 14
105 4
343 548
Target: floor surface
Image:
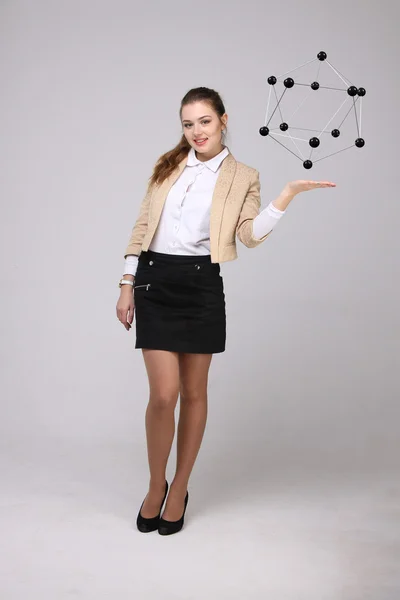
67 519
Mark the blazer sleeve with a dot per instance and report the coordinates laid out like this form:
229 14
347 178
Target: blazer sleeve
140 227
250 210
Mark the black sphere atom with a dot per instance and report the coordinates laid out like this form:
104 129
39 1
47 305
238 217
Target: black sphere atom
360 142
288 83
314 142
283 126
272 80
335 133
307 164
264 131
352 91
315 85
361 91
322 56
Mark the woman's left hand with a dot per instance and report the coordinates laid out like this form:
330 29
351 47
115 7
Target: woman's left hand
303 185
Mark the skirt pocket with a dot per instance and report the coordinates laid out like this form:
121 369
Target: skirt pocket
144 285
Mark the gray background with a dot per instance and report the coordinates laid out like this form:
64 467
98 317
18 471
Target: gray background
295 490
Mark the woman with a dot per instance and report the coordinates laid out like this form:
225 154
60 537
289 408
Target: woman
198 199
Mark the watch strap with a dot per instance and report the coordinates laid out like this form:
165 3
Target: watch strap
125 282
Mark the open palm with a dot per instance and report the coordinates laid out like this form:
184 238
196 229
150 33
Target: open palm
304 185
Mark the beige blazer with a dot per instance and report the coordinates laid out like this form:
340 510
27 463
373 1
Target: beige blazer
235 203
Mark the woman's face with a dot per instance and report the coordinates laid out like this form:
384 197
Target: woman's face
202 128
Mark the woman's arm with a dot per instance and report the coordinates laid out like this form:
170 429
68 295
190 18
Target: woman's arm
140 227
251 211
266 220
130 266
250 215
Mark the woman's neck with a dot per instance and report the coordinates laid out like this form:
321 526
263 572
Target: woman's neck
203 157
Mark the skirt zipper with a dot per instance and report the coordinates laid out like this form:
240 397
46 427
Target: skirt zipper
146 285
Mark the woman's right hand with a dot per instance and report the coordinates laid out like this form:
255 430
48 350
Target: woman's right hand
126 306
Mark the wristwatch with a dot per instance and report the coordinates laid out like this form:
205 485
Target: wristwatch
125 281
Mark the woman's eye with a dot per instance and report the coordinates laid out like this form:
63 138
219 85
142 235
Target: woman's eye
203 123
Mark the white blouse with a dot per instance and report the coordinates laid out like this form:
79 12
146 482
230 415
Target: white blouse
184 226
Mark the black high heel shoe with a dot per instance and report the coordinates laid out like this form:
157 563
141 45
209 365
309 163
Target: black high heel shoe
146 525
167 527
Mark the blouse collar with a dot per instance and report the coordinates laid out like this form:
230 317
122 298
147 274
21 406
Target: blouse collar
213 163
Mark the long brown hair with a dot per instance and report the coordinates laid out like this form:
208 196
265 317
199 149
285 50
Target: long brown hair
168 162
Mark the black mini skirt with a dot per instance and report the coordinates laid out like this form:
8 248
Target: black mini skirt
179 303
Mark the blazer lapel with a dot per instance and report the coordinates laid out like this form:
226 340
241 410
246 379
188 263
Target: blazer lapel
161 193
221 191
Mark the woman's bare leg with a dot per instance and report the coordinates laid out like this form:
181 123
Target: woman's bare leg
163 374
193 370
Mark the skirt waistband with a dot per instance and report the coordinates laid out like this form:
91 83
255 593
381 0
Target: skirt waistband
174 259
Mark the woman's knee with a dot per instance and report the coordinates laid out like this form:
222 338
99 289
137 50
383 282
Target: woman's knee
163 373
193 395
193 373
163 399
